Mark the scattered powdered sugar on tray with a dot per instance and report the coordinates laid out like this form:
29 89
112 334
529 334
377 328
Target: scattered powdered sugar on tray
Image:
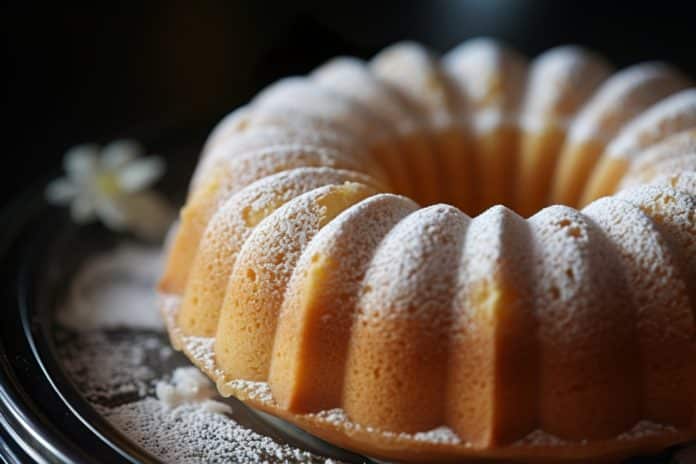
645 428
190 386
177 417
539 437
254 390
438 435
119 358
114 290
189 433
338 417
111 367
203 347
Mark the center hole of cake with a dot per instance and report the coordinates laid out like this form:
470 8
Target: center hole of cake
474 190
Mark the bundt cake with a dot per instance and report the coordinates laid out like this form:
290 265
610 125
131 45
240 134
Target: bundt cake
388 255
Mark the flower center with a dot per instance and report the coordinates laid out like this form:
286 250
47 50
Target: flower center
108 183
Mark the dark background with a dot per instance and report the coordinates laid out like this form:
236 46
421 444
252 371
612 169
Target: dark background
94 73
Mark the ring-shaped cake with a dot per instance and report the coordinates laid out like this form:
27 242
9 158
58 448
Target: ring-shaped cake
389 255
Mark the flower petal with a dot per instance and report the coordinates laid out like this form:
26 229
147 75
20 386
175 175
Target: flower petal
120 152
61 191
82 209
140 174
149 214
112 213
81 161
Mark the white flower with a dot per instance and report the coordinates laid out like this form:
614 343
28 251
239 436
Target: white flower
111 184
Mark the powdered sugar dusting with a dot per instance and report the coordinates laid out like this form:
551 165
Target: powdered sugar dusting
202 348
649 264
671 115
483 55
319 131
441 434
193 433
349 241
622 97
411 272
683 182
244 169
577 276
304 96
489 119
491 239
115 289
540 438
560 80
417 74
249 118
492 77
338 417
650 163
188 385
678 164
674 213
351 77
230 227
264 267
646 428
338 257
259 137
260 391
663 317
641 429
107 367
276 244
